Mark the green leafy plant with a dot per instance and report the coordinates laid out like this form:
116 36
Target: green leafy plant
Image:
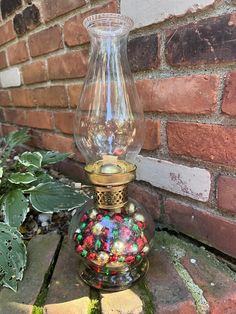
25 183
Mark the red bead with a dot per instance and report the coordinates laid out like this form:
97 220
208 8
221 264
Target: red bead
74 236
79 248
129 247
84 218
140 224
90 224
89 240
130 259
105 246
118 218
106 232
92 256
113 258
99 217
118 151
145 240
140 244
125 232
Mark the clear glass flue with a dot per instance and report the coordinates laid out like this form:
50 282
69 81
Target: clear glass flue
109 119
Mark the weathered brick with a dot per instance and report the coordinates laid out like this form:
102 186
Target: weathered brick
169 294
227 194
207 227
152 134
4 99
17 53
207 41
146 197
195 94
218 288
229 98
7 33
187 181
53 9
45 41
14 116
9 7
74 31
39 119
19 25
67 293
8 128
31 16
3 60
210 142
70 65
2 117
64 121
143 52
57 142
34 72
54 96
22 97
74 92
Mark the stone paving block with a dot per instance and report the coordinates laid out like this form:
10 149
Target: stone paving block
41 251
122 302
67 292
170 294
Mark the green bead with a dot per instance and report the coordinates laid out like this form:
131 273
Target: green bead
106 271
79 237
83 225
98 244
135 247
138 258
115 233
84 253
126 219
121 259
135 228
107 217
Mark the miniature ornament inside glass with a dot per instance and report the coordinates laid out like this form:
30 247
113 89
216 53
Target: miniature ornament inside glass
114 233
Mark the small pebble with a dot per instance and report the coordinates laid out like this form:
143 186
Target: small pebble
193 261
44 224
44 217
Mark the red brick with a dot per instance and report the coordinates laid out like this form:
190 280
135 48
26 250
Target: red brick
39 119
57 142
74 31
54 96
22 97
152 134
74 92
229 99
196 94
64 121
169 293
204 226
46 41
2 117
200 43
14 116
7 33
70 65
53 9
218 288
143 52
208 142
3 60
8 128
227 194
17 53
148 198
4 99
34 72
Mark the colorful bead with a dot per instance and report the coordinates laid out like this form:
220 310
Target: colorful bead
84 218
79 248
138 258
130 259
97 229
102 258
118 247
89 241
146 249
79 237
98 244
84 253
83 225
130 208
92 256
93 214
139 217
118 218
135 228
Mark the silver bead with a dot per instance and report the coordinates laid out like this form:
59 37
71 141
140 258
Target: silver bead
110 169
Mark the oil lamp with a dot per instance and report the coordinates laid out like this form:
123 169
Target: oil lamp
114 234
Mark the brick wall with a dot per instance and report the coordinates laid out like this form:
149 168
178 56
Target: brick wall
184 62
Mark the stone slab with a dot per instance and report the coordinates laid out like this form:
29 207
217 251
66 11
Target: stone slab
67 291
10 78
154 11
41 251
187 181
122 302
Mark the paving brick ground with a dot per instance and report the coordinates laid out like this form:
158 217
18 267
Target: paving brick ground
182 279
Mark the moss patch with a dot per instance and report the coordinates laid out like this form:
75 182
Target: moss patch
37 310
147 298
94 306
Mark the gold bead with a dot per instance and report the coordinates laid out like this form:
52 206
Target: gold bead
110 169
102 258
139 217
131 208
118 247
97 229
